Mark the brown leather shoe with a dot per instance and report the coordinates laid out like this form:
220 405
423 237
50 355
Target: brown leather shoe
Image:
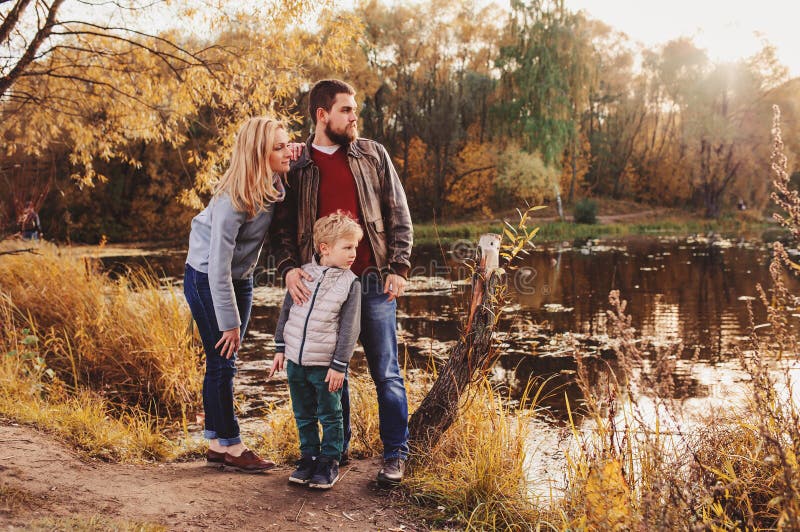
248 462
213 457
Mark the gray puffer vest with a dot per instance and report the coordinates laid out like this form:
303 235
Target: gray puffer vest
310 332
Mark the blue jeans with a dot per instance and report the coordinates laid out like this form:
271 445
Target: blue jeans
379 339
221 422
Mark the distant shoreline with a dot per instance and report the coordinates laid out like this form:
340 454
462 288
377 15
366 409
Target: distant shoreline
646 223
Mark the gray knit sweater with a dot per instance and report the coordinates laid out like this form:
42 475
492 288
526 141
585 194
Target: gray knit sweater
225 244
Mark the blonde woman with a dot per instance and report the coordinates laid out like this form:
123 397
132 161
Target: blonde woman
224 245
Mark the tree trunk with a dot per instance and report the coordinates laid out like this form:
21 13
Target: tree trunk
472 355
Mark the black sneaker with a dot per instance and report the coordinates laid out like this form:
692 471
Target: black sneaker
392 471
345 459
327 473
305 470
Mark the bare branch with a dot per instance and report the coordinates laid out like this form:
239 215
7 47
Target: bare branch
164 56
103 28
12 18
114 3
26 59
110 86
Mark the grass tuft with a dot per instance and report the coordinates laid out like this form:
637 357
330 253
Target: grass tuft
129 340
476 473
104 364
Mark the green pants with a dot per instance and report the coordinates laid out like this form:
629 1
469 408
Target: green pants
312 403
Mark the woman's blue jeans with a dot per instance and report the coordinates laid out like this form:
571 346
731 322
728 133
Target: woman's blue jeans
379 339
221 422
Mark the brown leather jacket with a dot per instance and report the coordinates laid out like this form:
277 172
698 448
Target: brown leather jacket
380 195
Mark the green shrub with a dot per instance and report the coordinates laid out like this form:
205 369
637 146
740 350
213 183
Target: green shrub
585 212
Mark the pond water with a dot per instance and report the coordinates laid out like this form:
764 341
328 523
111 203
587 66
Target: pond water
687 295
691 293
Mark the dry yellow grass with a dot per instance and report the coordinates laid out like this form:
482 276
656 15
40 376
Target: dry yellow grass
130 339
93 523
476 473
104 364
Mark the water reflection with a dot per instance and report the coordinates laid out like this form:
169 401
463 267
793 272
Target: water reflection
690 290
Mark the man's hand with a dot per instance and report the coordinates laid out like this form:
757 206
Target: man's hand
395 285
294 284
230 342
335 379
278 363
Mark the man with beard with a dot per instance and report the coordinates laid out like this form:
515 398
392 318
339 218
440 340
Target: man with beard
339 171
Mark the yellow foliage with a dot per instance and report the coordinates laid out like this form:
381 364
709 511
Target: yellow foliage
110 93
608 498
418 183
523 177
472 181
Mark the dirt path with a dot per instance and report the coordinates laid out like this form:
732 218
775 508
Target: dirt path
40 479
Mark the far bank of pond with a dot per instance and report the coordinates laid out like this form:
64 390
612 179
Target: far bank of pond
646 223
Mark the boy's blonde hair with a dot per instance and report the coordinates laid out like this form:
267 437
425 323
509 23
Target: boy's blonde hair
249 180
331 228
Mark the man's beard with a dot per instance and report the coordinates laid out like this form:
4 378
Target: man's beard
342 139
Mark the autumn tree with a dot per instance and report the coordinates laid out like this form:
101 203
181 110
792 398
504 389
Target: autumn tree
706 124
543 63
429 88
100 94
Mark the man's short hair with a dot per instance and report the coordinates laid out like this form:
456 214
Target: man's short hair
334 226
323 94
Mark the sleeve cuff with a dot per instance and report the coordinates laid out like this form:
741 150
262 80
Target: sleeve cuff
338 365
399 269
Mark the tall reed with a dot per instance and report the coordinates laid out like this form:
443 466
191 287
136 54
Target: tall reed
32 393
634 466
475 475
129 339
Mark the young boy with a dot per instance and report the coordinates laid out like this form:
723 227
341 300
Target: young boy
315 342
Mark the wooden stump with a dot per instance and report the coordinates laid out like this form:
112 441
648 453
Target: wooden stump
472 355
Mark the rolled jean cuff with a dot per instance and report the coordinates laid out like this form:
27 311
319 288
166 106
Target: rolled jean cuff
210 434
229 441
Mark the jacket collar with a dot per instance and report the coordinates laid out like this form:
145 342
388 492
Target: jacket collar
305 158
319 268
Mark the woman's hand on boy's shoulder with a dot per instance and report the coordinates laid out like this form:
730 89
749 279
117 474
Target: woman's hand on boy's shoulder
295 286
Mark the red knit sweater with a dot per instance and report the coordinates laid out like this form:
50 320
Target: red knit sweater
337 191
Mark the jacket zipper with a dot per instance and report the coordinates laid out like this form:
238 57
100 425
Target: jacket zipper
308 316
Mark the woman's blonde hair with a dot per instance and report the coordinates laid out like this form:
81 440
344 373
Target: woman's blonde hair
249 180
332 227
